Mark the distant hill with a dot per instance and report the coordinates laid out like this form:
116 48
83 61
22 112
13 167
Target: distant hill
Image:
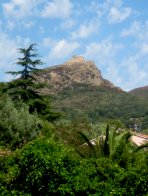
78 90
99 103
140 92
76 71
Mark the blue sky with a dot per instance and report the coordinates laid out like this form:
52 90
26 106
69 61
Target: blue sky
112 33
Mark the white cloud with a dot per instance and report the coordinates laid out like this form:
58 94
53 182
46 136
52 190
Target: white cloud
126 73
10 25
135 28
67 24
62 49
136 76
42 29
86 30
117 15
48 42
113 10
100 8
8 53
103 50
26 42
29 24
19 8
57 9
144 49
104 55
139 31
112 73
7 49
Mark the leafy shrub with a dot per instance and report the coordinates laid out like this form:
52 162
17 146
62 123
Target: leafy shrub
17 125
45 167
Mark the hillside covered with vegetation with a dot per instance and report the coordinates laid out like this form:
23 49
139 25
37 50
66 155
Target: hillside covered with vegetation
140 92
45 146
100 103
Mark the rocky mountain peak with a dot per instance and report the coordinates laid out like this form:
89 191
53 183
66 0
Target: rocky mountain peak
75 59
75 71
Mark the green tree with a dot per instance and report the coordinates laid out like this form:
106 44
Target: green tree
47 167
26 89
17 125
27 62
111 144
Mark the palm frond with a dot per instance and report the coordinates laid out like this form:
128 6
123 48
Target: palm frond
106 143
91 146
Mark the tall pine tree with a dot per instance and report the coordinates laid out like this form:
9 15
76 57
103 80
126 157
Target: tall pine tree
28 62
25 89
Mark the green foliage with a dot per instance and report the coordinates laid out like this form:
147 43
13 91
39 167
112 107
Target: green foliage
2 87
45 167
67 131
25 88
17 125
134 180
42 106
106 142
140 92
90 145
99 103
113 144
22 89
27 62
48 129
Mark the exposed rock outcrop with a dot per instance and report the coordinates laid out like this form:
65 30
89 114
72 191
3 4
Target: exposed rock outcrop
74 71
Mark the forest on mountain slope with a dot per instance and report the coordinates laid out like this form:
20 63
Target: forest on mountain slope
43 153
99 103
140 92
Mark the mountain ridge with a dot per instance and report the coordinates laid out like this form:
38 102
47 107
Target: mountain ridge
140 91
75 71
78 91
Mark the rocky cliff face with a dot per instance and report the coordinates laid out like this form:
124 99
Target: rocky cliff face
75 71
